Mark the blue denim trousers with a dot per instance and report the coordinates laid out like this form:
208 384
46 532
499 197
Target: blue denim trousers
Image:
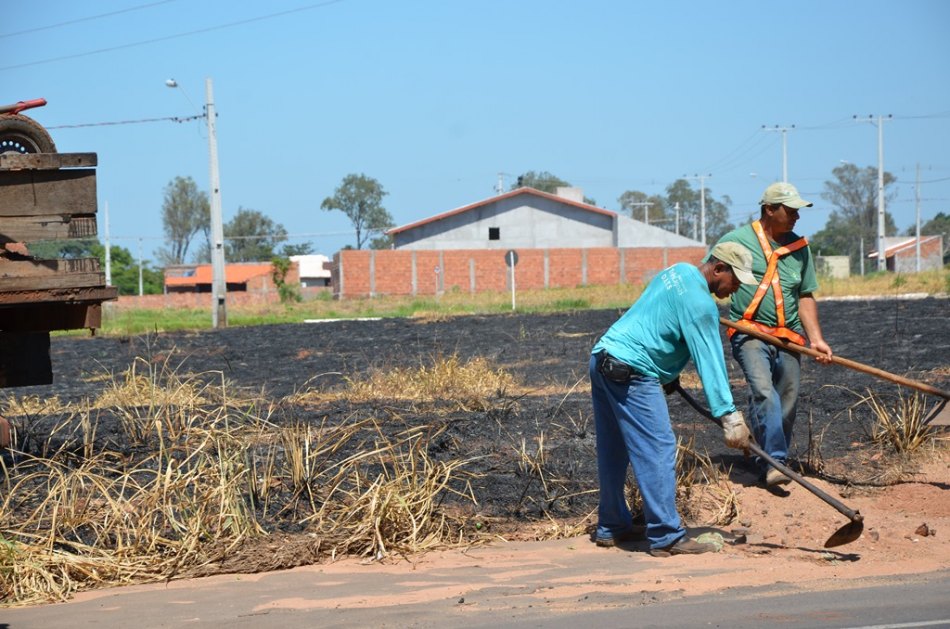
633 428
774 376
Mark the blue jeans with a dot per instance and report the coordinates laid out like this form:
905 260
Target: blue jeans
774 376
633 428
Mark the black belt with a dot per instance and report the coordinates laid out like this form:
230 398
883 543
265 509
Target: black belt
615 370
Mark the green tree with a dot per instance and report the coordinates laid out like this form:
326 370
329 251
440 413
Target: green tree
251 237
302 249
691 204
854 193
360 198
632 202
123 266
124 269
938 225
288 292
185 212
383 241
545 182
63 249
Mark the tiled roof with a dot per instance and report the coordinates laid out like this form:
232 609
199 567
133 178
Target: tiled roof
894 244
233 274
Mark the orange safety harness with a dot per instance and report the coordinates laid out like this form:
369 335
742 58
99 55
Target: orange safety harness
771 278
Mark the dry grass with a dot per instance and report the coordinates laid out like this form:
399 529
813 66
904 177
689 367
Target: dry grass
472 385
32 405
703 490
878 284
208 475
900 425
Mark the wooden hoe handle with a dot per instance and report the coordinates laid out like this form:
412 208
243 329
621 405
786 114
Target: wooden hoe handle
844 362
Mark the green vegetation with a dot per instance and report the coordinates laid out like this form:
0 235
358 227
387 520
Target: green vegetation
120 320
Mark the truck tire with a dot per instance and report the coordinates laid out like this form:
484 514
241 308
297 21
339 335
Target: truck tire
20 134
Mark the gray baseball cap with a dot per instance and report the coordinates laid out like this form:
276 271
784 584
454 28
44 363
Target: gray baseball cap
782 193
738 257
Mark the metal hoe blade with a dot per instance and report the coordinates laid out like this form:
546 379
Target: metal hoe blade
847 533
844 535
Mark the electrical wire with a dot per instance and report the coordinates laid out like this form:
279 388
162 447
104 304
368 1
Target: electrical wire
316 5
84 19
118 122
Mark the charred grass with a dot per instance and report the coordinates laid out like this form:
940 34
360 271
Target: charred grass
170 475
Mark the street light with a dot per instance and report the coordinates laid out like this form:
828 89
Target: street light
219 287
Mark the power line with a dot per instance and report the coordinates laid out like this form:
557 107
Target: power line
145 42
105 124
84 19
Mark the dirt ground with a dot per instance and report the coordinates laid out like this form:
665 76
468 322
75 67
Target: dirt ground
904 500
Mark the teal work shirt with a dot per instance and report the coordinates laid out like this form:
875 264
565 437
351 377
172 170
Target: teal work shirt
675 319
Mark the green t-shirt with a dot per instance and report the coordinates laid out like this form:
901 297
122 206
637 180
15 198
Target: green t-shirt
796 275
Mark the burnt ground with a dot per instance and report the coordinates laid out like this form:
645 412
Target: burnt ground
548 354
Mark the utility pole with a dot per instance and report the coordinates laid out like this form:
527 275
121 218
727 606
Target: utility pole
881 255
917 196
861 254
500 186
108 247
784 131
219 285
702 204
141 292
646 205
677 218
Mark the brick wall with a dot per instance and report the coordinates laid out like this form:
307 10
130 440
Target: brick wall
358 273
202 301
190 300
931 257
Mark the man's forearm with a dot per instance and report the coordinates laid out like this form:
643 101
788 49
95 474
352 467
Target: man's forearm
808 311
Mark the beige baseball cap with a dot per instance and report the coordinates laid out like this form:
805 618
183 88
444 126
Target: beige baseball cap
738 257
782 193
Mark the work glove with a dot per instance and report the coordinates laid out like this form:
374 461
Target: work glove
671 387
735 431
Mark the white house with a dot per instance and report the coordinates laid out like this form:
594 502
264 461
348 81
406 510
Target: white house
314 270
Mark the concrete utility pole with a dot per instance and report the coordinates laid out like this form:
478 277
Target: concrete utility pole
108 247
219 286
784 131
702 204
677 218
141 292
646 205
917 195
881 254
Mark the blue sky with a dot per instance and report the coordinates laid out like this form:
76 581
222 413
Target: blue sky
436 98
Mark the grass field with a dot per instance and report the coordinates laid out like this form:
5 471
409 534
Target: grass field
122 321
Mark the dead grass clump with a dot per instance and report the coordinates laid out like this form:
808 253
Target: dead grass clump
900 425
703 490
469 385
147 393
32 405
388 499
206 488
104 522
